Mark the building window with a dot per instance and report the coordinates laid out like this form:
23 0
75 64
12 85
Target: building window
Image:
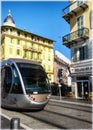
80 53
43 41
10 50
38 57
6 29
25 35
18 33
80 22
10 29
18 42
32 37
25 54
11 40
18 51
31 55
38 39
31 45
79 2
49 42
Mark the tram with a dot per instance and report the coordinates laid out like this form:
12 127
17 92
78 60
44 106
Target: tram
24 84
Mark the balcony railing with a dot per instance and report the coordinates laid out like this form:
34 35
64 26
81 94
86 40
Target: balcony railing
31 49
74 37
72 9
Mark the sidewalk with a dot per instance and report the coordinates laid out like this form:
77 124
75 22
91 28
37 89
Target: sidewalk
6 123
70 99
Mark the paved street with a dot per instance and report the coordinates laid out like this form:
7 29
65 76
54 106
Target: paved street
64 114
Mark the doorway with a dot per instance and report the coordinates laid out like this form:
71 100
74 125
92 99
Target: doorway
82 88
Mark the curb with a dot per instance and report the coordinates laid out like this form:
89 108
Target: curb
71 102
21 124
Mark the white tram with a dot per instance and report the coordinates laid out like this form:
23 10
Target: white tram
24 84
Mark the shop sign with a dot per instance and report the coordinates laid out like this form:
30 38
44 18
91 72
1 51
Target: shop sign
84 69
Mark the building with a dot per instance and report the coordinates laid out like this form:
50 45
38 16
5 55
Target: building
79 16
18 43
61 63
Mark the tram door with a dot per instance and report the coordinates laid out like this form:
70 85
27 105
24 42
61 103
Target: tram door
82 88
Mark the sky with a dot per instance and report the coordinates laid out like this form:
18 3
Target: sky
43 18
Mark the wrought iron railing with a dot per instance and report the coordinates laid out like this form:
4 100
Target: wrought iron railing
80 33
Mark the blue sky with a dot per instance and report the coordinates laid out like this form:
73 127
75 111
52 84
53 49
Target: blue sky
41 18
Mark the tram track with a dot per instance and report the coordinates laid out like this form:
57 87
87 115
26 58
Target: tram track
74 107
46 117
58 116
55 118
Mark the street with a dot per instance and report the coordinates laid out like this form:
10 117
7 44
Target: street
56 115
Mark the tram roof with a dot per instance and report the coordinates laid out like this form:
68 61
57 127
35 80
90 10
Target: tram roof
19 60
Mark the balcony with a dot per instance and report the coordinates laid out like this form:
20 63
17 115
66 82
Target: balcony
73 9
75 37
31 49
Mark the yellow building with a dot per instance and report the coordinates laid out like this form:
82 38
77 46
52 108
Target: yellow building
17 43
79 15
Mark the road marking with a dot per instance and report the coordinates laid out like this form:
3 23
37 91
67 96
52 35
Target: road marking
21 124
69 102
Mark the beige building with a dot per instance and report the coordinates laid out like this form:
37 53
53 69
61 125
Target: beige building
79 15
18 43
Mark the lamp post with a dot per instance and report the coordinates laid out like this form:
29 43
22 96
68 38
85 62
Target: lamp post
60 91
60 73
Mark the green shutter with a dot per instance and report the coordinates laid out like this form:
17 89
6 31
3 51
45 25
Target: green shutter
75 55
91 19
86 52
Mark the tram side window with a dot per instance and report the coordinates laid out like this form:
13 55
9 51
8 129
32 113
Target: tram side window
2 79
17 88
8 79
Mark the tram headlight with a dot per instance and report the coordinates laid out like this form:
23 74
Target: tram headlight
48 96
31 97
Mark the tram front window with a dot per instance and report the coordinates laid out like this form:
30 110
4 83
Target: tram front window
34 78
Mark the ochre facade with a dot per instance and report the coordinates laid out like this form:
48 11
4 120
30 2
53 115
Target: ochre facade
17 43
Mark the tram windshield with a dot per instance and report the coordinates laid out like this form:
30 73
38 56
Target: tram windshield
34 78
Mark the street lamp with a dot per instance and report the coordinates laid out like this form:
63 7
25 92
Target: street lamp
60 90
60 73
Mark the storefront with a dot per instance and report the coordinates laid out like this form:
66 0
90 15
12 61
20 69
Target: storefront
83 87
82 80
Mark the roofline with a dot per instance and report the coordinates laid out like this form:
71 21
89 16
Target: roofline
27 32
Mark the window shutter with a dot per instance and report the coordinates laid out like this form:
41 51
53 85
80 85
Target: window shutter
86 52
75 55
91 19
